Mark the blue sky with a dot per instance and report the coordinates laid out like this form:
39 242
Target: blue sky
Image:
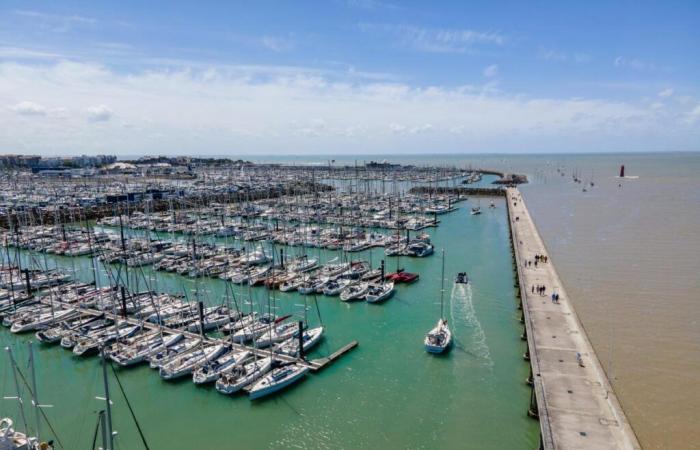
348 76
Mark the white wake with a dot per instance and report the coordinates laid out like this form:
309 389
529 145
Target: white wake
463 316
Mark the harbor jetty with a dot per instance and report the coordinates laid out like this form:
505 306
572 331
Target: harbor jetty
571 395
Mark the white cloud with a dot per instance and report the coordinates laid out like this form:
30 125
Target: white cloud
29 109
694 115
99 113
436 40
220 109
13 53
276 44
491 71
668 92
549 54
371 5
55 22
633 63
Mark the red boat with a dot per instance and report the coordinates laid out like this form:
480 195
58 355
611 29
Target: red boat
401 276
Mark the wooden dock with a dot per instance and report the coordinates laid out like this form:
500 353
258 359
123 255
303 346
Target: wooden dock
571 395
321 363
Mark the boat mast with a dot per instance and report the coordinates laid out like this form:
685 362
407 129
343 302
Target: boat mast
442 285
17 388
35 395
108 409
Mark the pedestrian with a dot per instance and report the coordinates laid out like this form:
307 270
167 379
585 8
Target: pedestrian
533 288
553 298
535 263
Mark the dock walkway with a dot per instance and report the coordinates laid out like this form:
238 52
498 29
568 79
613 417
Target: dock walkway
572 396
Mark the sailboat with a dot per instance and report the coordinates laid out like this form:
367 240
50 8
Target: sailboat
439 338
278 379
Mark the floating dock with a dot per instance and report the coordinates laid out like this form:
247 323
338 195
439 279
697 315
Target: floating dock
315 365
571 395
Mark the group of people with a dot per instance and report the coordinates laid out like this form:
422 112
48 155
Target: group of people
538 259
555 297
540 288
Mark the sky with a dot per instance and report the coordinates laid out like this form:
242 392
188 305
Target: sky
348 77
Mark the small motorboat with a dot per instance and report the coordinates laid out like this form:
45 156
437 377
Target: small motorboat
401 276
462 278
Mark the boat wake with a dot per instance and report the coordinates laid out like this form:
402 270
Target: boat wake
463 314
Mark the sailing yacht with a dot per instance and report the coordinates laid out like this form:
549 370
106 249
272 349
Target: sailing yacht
439 338
10 439
278 379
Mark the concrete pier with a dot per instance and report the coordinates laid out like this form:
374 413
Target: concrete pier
572 397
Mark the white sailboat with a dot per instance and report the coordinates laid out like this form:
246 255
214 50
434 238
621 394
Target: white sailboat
439 338
278 379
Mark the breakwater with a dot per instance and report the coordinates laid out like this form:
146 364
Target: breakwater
571 395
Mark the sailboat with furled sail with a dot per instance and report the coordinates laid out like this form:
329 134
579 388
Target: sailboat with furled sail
439 338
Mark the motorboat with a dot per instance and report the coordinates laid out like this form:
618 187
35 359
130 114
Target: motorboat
462 278
402 276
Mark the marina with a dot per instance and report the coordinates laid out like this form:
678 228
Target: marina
236 296
349 224
354 338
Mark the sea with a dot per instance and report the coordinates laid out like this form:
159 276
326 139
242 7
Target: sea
626 250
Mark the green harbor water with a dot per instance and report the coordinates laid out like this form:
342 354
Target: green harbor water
387 393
